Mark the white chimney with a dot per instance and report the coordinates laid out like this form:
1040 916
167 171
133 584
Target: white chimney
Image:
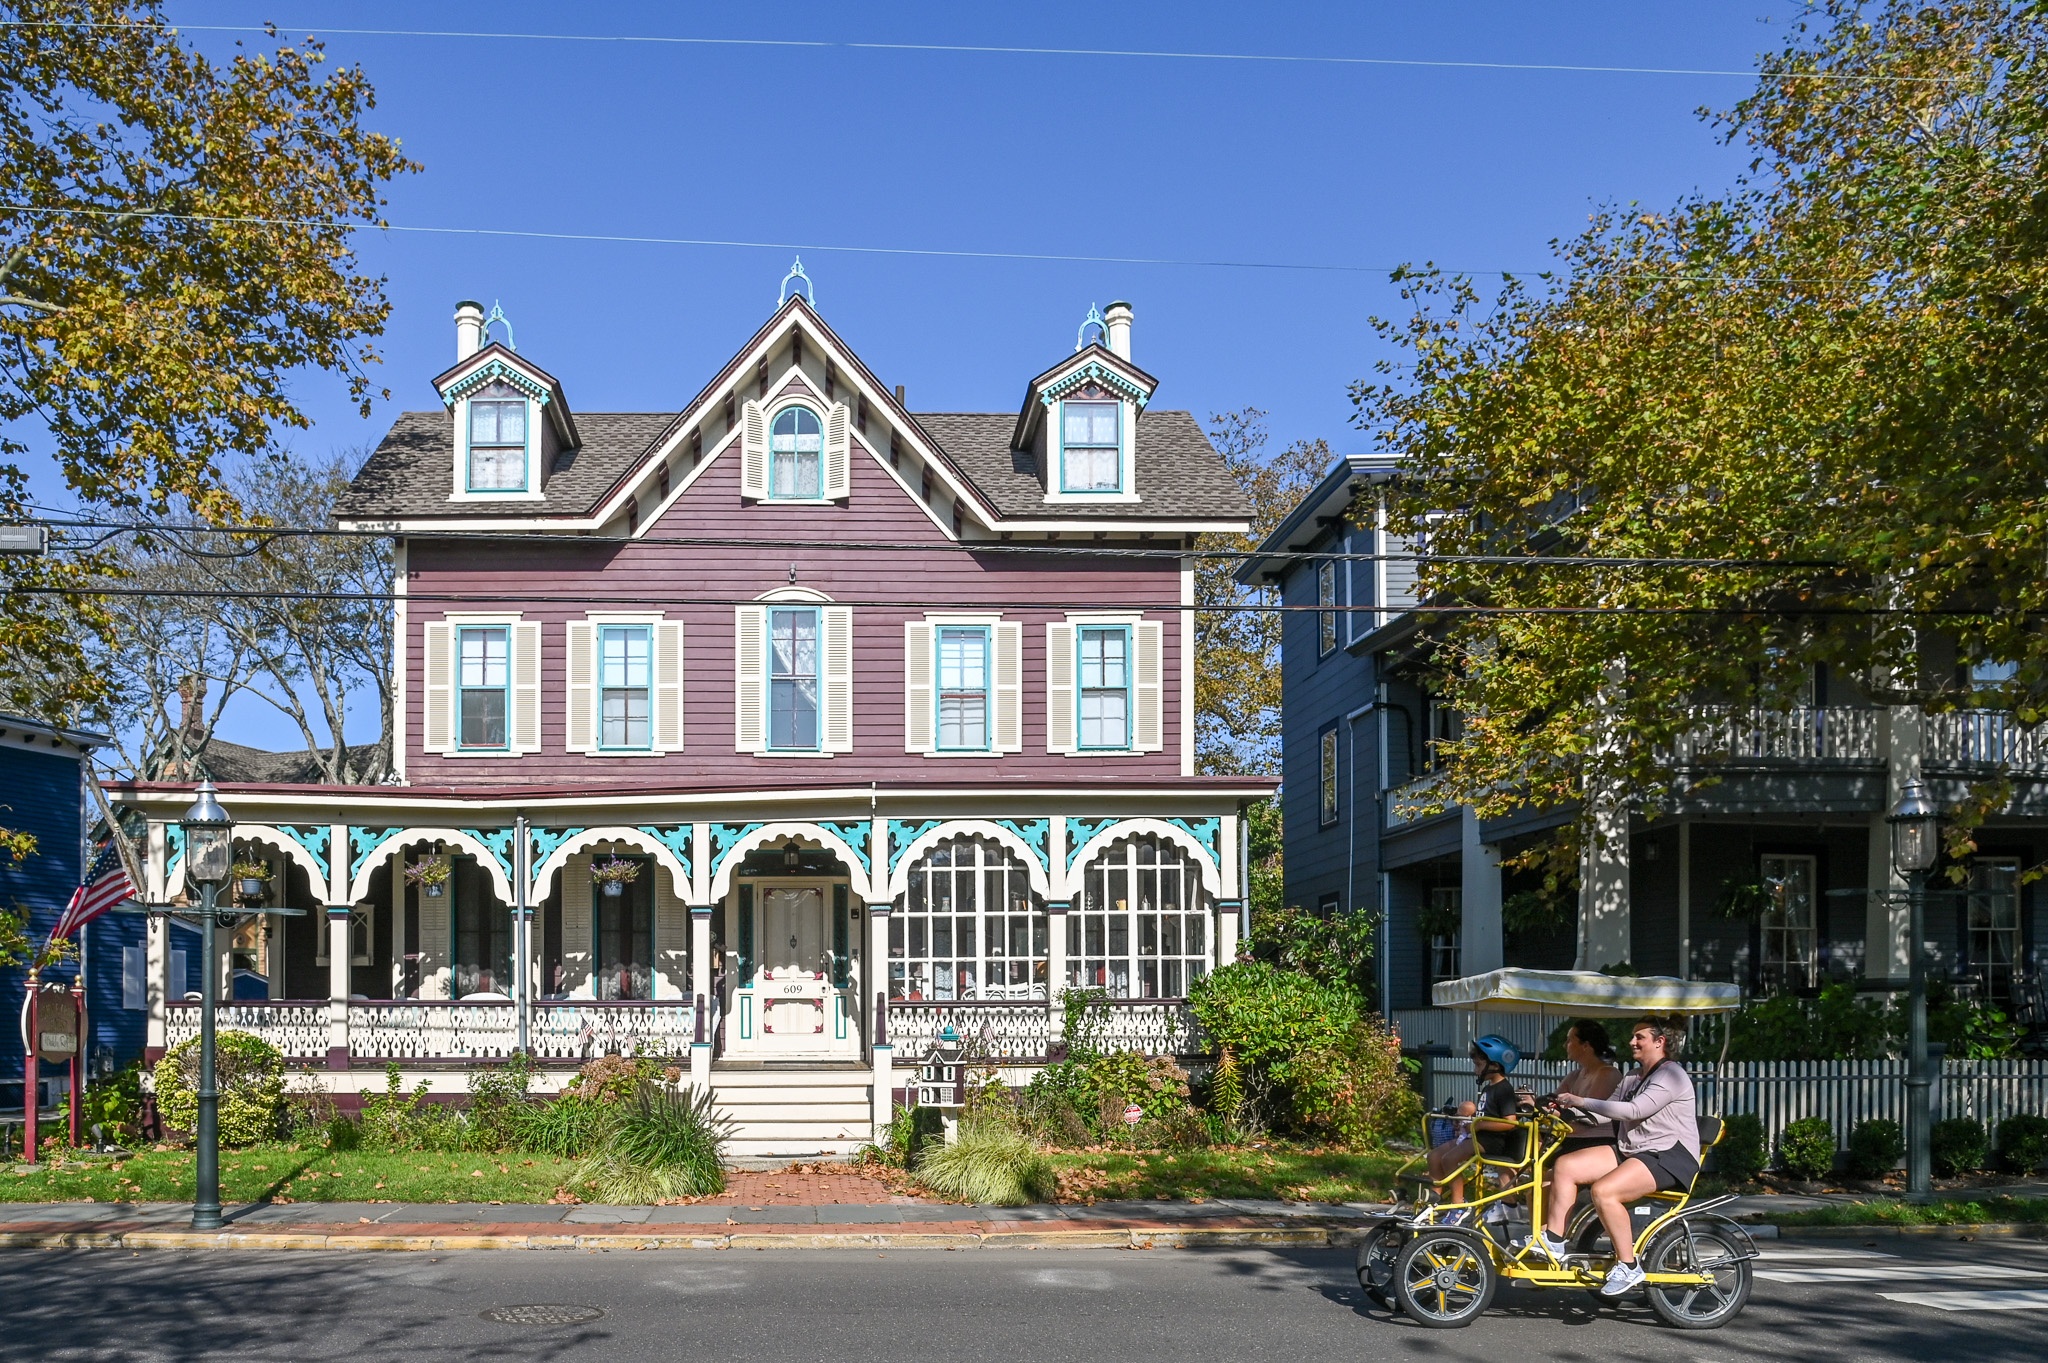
1116 320
469 329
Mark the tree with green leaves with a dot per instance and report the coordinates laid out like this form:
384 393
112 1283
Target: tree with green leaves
174 245
1804 421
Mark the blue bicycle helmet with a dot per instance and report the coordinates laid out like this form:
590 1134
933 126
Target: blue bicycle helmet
1499 1050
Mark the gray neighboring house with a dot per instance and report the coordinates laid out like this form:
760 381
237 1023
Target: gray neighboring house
1798 813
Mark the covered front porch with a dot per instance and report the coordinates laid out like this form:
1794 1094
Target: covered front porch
811 964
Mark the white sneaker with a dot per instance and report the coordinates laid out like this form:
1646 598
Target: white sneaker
1496 1215
1552 1245
1622 1279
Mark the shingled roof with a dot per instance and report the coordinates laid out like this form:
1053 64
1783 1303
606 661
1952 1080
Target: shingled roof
1178 474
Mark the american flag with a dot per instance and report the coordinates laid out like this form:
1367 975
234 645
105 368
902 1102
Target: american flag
106 884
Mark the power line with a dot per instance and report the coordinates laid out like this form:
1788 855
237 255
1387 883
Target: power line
994 49
1057 550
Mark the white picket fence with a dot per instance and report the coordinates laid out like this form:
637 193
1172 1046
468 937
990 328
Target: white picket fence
1845 1092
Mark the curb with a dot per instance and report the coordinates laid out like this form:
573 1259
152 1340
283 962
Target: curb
1995 1230
1129 1238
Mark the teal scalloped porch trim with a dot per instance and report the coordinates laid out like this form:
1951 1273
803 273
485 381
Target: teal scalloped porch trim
1208 832
542 842
678 838
856 835
1036 833
1079 831
902 833
723 838
499 840
364 841
313 839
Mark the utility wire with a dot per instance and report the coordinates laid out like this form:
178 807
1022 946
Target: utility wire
994 49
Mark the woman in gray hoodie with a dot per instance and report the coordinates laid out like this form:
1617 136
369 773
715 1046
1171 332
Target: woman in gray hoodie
1657 1148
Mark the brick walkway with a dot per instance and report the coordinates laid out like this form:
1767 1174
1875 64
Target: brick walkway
799 1187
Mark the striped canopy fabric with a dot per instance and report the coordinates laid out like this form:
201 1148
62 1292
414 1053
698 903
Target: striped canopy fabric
1585 993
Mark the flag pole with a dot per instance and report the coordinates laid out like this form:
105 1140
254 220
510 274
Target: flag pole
78 1015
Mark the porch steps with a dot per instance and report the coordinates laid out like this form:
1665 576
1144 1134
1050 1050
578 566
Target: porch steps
794 1112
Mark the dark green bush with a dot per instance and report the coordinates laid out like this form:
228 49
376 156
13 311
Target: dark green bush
665 1142
398 1120
1875 1147
2023 1143
1742 1151
1959 1145
114 1104
1806 1148
565 1128
248 1075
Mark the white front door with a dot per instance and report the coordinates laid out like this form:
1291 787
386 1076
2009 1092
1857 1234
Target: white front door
791 1007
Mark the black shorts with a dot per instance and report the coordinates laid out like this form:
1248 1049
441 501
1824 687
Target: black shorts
1572 1143
1674 1168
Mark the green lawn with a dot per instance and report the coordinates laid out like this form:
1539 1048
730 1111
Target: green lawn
1945 1212
1277 1172
288 1173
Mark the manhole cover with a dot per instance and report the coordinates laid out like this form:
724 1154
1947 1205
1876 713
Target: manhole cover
542 1314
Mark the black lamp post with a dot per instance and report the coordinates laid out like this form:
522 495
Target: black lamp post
1915 825
209 854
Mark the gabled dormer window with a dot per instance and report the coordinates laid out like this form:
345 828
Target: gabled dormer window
1091 447
796 452
497 440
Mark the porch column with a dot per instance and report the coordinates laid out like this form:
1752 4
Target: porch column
701 994
396 864
1479 938
337 986
1603 892
157 935
883 1087
1055 963
1226 931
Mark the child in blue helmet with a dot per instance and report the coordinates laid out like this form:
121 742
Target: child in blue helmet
1492 1113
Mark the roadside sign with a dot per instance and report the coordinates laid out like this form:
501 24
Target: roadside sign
56 1027
1133 1115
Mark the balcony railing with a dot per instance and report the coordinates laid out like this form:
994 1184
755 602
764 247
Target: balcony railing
1806 734
1985 740
428 1029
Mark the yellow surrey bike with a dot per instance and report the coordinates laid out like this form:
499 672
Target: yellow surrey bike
1441 1263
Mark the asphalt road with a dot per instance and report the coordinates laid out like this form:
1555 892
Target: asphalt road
1120 1306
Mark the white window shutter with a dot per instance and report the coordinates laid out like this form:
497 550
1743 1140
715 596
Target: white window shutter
1008 697
580 721
753 450
838 453
440 698
437 944
526 687
1147 733
750 679
576 933
668 685
1059 688
917 686
838 659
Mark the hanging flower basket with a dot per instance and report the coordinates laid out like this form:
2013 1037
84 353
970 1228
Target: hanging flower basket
614 874
252 879
430 874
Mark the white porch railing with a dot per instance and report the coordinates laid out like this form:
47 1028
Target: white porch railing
297 1027
1002 1031
1804 734
426 1029
1985 739
1153 1026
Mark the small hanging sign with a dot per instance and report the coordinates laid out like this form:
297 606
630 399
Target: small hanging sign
1133 1114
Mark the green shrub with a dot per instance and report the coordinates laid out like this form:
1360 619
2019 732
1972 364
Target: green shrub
1309 1058
2023 1142
908 1133
398 1120
566 1128
1806 1148
1741 1154
1958 1145
1156 1085
114 1104
248 1075
1875 1147
1333 949
989 1165
665 1142
497 1103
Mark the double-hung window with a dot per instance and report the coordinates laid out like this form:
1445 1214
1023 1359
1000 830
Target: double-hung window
1326 777
1326 602
497 440
483 679
793 679
963 688
626 685
1091 453
796 451
1105 686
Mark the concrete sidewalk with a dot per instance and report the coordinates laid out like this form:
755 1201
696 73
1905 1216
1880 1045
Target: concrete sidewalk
895 1225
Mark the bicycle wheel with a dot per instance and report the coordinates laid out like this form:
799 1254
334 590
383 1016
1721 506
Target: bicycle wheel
1444 1279
1706 1250
1376 1255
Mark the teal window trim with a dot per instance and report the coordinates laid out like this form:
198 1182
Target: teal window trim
1081 690
776 493
816 676
940 691
1122 447
525 448
463 688
646 690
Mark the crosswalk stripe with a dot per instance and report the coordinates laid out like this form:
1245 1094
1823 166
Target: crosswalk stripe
1891 1273
2016 1299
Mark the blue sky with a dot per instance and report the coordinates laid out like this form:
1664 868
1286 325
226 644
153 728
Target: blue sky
1282 164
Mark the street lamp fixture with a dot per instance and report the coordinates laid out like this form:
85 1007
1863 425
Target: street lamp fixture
1916 844
209 855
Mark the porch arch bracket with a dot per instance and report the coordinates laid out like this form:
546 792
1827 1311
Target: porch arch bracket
542 842
902 833
1091 836
499 840
283 837
762 834
644 839
724 837
469 840
936 831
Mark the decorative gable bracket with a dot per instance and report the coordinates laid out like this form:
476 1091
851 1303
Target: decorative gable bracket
1093 372
494 372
